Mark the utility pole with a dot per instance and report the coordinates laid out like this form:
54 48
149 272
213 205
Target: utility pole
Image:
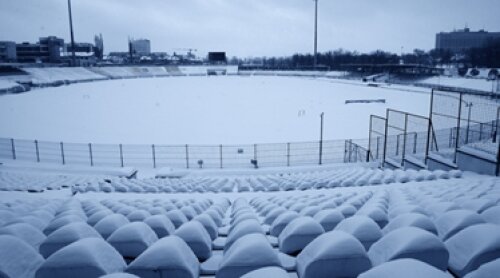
315 33
321 139
72 35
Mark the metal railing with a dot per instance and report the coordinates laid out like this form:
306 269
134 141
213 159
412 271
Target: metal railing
176 156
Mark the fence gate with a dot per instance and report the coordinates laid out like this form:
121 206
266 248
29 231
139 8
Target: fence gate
376 139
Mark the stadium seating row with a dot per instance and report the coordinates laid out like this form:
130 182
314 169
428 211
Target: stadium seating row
432 228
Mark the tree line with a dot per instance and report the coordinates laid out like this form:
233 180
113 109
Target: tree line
484 57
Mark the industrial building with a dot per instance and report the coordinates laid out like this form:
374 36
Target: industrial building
461 40
8 51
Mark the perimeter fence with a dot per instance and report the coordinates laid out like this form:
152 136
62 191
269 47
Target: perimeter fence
176 156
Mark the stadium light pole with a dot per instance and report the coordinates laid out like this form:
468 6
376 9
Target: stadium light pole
315 33
72 35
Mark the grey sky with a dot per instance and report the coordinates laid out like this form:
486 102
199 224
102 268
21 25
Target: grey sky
249 27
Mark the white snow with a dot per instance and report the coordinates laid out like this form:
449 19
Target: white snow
452 222
198 239
214 110
132 239
93 257
410 242
408 268
168 257
299 233
333 254
17 258
487 270
248 253
473 247
65 236
361 227
275 272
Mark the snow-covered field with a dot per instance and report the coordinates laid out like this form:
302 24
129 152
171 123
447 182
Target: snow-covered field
199 110
415 229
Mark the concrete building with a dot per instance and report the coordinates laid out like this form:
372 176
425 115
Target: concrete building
84 54
47 50
8 51
460 40
140 47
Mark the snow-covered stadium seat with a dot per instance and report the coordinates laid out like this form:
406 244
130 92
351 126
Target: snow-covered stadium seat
250 252
410 242
408 268
473 247
333 254
487 270
197 238
132 239
92 257
299 233
65 236
18 258
168 257
361 227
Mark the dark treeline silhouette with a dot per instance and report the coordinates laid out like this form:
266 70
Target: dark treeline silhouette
488 56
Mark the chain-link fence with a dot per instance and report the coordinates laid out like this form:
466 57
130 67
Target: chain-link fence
176 156
376 139
461 119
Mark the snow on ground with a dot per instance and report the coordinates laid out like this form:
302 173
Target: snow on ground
6 84
198 110
468 83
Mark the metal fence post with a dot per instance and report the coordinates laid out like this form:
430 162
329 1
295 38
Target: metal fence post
220 155
480 131
90 155
153 150
187 156
429 128
415 143
378 145
255 151
385 137
13 147
62 153
288 154
370 134
403 155
457 140
121 155
397 144
37 151
349 148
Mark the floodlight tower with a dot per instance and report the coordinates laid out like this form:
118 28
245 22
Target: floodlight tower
72 36
315 33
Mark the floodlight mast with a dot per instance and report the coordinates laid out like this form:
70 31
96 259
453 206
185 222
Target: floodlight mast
72 36
315 33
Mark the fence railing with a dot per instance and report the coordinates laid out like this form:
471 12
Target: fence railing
176 156
457 119
355 153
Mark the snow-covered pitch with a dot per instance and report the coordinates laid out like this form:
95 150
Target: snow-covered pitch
202 110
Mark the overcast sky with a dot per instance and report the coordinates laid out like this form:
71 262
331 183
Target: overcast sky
249 27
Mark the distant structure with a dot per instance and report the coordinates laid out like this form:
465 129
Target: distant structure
140 47
99 46
461 40
46 50
8 51
84 54
217 58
